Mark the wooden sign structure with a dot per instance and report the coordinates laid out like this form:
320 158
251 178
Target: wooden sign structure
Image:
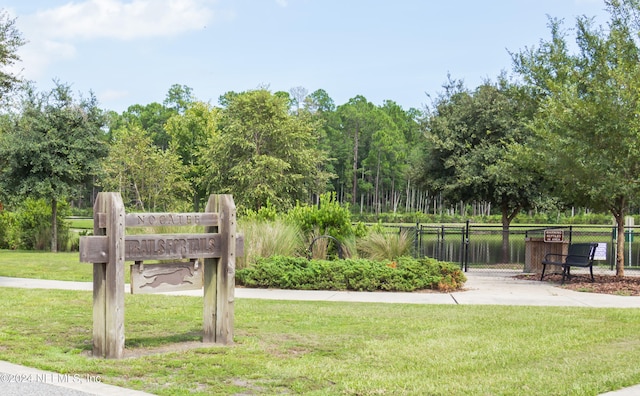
211 265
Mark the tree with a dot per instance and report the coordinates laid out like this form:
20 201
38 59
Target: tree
10 41
588 127
298 95
179 98
146 176
53 147
319 100
356 127
190 132
385 158
408 124
320 110
151 118
262 154
467 157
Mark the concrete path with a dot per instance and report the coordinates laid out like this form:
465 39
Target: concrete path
481 288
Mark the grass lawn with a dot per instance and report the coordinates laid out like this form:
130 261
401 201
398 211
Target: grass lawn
80 223
320 348
44 265
329 348
64 266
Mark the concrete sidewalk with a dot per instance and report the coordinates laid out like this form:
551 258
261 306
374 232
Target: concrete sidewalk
481 288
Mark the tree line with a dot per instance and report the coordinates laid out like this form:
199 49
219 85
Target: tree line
560 130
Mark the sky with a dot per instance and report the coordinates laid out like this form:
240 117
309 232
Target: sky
132 52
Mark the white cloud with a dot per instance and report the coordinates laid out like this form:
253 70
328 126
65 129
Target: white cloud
122 20
282 3
36 56
52 33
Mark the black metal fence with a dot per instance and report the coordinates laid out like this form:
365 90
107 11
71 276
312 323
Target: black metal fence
483 246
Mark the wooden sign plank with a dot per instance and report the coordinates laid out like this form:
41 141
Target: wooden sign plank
94 249
170 247
170 219
167 277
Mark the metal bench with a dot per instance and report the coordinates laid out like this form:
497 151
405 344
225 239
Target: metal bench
578 255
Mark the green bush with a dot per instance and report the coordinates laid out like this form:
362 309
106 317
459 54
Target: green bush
32 225
8 230
328 218
265 213
404 274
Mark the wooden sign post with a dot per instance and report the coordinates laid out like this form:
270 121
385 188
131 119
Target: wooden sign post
108 278
211 265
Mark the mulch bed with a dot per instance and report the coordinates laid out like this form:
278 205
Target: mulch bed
604 284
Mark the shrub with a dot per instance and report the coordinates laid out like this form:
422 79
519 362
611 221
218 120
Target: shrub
386 246
328 218
265 213
8 230
264 239
404 274
33 225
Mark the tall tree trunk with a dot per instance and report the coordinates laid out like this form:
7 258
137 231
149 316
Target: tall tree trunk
376 195
196 199
507 218
618 214
54 225
408 197
355 165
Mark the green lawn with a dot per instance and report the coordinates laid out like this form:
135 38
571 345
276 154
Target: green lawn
44 265
323 348
329 348
64 266
80 223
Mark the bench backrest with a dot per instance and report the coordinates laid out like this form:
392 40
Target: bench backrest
581 253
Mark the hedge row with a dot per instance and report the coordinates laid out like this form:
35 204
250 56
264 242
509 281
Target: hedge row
404 274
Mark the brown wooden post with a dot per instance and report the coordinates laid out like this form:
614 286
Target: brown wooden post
108 278
219 274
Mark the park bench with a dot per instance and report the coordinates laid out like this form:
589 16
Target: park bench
578 255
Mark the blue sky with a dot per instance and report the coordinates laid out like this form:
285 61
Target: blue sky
131 52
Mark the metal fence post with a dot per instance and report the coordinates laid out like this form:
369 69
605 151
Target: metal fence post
570 233
416 242
466 247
